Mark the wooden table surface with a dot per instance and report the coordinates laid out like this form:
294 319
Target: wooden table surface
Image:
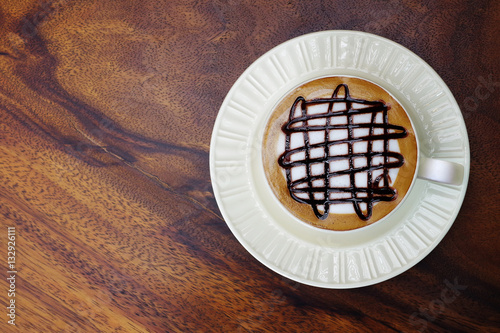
106 114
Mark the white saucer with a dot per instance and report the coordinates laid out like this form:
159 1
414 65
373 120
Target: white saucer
319 257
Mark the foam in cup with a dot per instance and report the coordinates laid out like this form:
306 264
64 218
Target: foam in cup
339 153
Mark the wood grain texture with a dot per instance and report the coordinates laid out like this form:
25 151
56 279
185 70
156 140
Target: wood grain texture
106 113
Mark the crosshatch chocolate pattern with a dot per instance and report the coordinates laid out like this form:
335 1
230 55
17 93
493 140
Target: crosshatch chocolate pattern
320 189
316 112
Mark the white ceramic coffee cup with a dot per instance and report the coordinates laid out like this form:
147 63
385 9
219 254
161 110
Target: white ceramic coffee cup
428 169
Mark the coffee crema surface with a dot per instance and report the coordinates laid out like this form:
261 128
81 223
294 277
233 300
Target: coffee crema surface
339 152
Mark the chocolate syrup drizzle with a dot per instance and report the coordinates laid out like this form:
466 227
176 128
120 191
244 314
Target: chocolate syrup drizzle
377 189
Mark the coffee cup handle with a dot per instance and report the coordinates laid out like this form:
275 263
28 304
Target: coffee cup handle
440 171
